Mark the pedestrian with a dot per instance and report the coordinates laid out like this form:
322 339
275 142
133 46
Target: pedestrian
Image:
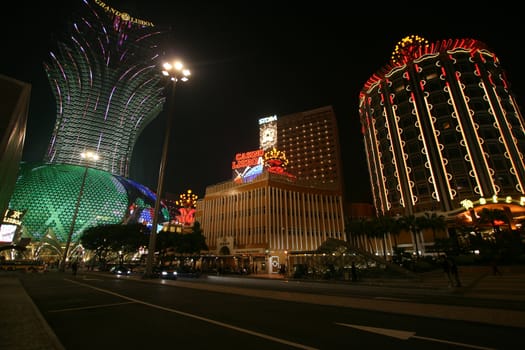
74 267
446 269
495 269
354 272
454 272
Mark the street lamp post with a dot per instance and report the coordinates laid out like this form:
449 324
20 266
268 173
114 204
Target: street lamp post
175 72
88 156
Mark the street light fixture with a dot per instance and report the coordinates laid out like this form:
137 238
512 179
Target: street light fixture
175 71
87 156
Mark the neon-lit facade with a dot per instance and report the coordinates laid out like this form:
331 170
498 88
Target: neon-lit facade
107 86
286 196
247 166
441 126
48 193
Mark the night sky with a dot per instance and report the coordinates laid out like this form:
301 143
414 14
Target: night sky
249 61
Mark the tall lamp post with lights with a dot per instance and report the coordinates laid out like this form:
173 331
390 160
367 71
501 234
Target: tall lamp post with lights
88 156
175 72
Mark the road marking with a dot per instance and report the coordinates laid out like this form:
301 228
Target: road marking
91 307
217 323
405 335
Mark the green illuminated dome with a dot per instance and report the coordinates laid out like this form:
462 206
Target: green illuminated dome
48 194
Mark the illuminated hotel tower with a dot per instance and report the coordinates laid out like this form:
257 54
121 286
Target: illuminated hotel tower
441 129
107 87
272 213
310 140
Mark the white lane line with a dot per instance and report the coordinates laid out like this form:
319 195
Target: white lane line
91 307
405 335
217 323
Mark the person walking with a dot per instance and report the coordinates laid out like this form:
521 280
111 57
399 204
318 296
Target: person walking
445 263
354 272
74 267
454 272
495 269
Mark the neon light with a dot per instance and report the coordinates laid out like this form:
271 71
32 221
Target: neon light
267 119
475 131
503 138
123 15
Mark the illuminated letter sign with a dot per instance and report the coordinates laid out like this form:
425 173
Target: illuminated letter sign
123 15
245 159
267 119
13 217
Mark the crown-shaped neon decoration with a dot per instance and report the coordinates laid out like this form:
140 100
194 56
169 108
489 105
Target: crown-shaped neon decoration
274 157
187 200
408 48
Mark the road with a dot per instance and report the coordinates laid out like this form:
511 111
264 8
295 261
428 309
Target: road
97 311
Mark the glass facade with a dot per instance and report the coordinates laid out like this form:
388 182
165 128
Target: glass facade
48 195
108 87
107 84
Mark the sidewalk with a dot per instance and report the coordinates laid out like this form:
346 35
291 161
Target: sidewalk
24 328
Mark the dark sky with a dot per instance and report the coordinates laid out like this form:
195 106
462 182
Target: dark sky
252 60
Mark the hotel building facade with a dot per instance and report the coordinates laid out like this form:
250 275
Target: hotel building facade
107 84
270 209
443 132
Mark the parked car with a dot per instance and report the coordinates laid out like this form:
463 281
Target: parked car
188 272
121 270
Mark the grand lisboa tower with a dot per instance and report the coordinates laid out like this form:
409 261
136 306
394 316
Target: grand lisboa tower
107 86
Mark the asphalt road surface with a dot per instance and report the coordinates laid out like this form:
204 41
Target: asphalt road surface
102 312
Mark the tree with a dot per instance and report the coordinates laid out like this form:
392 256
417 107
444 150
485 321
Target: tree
169 243
114 238
96 239
433 221
409 223
384 225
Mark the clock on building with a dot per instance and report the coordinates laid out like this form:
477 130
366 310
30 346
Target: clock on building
268 136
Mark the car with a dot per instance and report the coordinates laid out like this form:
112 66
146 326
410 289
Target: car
166 272
188 272
121 270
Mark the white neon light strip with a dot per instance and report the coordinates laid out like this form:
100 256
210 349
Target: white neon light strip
476 176
375 153
403 160
507 146
494 190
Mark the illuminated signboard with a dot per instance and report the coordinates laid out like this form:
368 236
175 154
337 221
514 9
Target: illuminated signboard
247 166
268 132
123 15
266 120
12 220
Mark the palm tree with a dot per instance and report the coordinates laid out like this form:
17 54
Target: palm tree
357 227
409 223
433 221
385 225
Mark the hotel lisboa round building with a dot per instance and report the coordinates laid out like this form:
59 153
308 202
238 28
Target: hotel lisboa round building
443 132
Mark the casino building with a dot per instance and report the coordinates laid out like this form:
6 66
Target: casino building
107 85
285 197
107 88
443 132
